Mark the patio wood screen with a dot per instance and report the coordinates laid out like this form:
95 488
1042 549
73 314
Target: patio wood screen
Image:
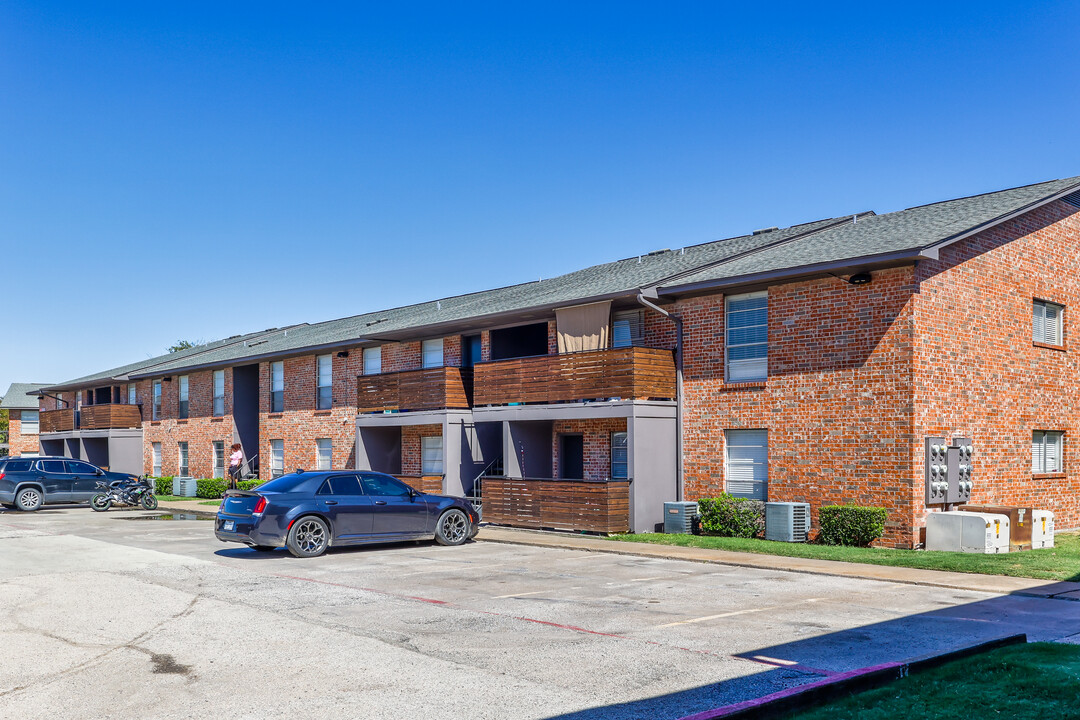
583 327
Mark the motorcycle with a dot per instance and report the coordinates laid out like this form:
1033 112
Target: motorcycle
124 492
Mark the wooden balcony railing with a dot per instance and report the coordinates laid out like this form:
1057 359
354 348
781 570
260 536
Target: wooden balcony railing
56 420
103 417
432 484
427 389
628 373
592 506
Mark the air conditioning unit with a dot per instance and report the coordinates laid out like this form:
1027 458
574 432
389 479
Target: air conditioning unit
968 532
1042 529
183 486
787 521
679 517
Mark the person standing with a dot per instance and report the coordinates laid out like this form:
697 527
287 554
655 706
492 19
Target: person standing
236 464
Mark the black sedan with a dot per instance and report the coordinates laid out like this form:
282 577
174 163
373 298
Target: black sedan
308 512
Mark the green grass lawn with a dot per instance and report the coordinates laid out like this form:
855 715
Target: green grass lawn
172 498
1058 563
1037 680
216 503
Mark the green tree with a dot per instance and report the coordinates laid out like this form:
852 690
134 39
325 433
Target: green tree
184 345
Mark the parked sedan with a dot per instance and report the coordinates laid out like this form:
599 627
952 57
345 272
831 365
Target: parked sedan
30 482
307 512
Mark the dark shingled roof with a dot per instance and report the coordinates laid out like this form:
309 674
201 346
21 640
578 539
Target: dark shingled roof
21 396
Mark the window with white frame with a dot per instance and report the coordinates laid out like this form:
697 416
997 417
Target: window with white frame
618 456
746 463
277 386
182 452
219 393
277 458
431 352
155 449
373 360
324 383
131 394
747 336
1047 322
29 420
626 328
182 404
1046 451
157 401
219 458
431 455
323 454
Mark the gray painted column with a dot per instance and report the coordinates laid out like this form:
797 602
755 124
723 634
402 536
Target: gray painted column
651 463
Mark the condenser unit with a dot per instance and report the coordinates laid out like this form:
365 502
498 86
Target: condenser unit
1042 529
183 486
969 532
787 521
679 517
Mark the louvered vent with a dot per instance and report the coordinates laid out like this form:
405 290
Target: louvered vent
1073 199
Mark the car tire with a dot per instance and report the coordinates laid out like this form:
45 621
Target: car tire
29 499
263 548
452 528
309 537
101 502
149 502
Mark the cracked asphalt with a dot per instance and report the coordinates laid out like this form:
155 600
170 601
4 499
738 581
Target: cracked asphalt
103 615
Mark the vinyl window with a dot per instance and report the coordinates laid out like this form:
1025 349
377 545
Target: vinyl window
324 386
182 451
182 405
156 465
219 393
29 422
323 453
432 353
157 401
277 386
1047 322
373 360
626 328
131 394
1046 451
746 345
277 458
431 455
746 471
219 458
618 456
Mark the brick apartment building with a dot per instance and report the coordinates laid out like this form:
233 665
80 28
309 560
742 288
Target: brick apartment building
806 364
21 402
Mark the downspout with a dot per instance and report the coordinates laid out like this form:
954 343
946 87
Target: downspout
678 390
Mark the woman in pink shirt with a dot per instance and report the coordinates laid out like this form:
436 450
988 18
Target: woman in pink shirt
236 463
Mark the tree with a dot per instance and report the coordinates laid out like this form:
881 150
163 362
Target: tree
184 345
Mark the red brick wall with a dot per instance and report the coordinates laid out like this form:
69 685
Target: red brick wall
17 442
410 446
198 430
597 441
977 372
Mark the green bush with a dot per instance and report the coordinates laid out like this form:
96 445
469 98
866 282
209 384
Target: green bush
162 485
211 488
249 484
850 524
730 516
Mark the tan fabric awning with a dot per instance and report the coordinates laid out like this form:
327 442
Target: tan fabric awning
583 327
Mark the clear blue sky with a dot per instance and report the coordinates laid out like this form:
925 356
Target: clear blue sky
195 170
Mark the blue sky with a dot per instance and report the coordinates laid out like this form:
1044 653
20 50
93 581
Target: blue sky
196 170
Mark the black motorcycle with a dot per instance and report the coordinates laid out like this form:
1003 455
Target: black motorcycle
124 492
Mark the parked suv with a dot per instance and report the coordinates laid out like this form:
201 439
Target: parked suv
30 482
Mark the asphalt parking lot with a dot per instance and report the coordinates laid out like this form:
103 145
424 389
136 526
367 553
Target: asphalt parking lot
114 615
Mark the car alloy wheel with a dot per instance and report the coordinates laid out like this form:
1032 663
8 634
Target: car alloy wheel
309 537
29 499
453 528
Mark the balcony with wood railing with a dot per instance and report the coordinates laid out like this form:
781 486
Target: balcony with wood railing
91 417
428 389
62 420
630 373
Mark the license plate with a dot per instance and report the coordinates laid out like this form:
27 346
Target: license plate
229 525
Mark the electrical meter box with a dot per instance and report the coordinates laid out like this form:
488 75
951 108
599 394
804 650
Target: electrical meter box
937 483
968 532
1042 529
1020 522
960 470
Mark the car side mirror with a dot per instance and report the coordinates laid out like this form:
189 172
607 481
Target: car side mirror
99 473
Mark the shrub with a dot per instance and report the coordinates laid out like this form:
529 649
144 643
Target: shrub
211 488
162 485
731 516
850 524
249 484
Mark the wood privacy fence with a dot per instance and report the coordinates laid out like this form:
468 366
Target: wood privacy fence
592 506
424 483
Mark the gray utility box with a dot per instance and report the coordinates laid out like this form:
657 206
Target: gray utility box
183 486
679 517
787 521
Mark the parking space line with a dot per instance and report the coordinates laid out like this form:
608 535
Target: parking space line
514 595
733 613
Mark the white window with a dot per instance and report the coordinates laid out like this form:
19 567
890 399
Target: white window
626 328
1046 451
156 448
618 456
277 458
131 394
277 386
219 393
157 400
219 458
746 472
323 454
747 325
1046 322
182 405
432 353
325 366
373 360
29 422
182 451
431 456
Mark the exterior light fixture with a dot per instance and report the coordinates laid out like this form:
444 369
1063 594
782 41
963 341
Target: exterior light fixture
862 278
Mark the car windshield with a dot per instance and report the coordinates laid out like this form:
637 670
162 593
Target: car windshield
283 484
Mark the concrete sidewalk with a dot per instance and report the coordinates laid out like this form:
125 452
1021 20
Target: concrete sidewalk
933 578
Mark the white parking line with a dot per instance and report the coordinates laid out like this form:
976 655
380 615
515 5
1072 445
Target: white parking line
733 613
500 597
